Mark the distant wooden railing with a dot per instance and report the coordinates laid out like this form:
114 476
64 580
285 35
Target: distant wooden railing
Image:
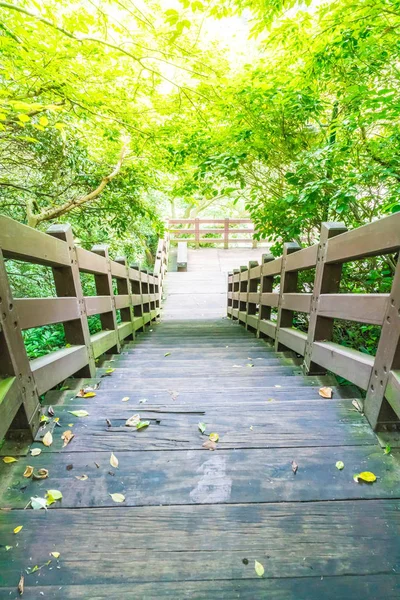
251 296
138 297
194 232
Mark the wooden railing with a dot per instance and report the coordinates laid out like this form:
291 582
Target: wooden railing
193 231
23 381
251 297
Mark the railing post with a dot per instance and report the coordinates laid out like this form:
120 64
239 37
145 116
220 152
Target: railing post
229 303
326 281
387 359
235 290
197 233
68 283
226 234
104 287
19 400
137 290
287 285
124 287
252 288
266 286
145 292
243 285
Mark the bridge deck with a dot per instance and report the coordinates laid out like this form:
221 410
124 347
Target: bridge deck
194 521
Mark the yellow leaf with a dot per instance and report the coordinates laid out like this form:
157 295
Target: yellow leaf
35 451
214 437
326 392
118 497
113 461
18 529
3 117
41 474
48 439
258 568
125 399
366 476
55 554
28 472
89 395
9 459
59 126
43 121
340 465
24 118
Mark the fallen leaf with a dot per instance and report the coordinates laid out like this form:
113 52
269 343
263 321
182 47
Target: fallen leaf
44 419
52 496
55 554
202 427
326 392
133 421
21 585
118 497
28 472
8 548
251 427
366 476
214 437
210 445
67 437
277 386
357 405
109 371
174 394
69 467
143 400
70 424
125 399
259 569
81 477
108 422
167 354
387 449
97 465
41 474
9 459
249 365
340 465
38 503
50 411
18 529
35 451
295 466
79 413
142 424
236 366
89 395
113 461
48 439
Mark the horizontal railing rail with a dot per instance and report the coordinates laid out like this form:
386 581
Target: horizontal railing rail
194 231
137 297
253 293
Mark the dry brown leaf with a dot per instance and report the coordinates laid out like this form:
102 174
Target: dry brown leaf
67 437
295 466
210 445
132 421
48 439
21 585
41 474
28 472
357 405
113 461
326 392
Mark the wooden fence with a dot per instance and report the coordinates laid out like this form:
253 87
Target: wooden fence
138 297
251 297
193 231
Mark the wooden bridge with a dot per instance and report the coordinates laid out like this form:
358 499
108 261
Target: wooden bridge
157 509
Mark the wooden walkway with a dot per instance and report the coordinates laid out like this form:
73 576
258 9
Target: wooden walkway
194 521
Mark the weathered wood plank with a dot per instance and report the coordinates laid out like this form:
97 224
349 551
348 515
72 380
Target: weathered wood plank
36 312
51 369
293 339
348 363
363 308
103 341
89 262
96 305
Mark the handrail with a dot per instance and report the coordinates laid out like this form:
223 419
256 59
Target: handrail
138 299
252 295
197 233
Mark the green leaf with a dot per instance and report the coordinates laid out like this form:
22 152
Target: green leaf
142 424
387 449
79 413
339 465
167 354
259 569
202 427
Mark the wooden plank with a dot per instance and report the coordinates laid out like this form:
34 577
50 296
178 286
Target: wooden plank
252 320
268 327
122 301
103 341
288 284
362 308
89 262
96 305
137 323
124 329
24 243
207 542
392 392
117 270
296 302
10 402
379 237
104 287
293 339
200 477
53 368
303 259
36 312
348 363
367 587
272 268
